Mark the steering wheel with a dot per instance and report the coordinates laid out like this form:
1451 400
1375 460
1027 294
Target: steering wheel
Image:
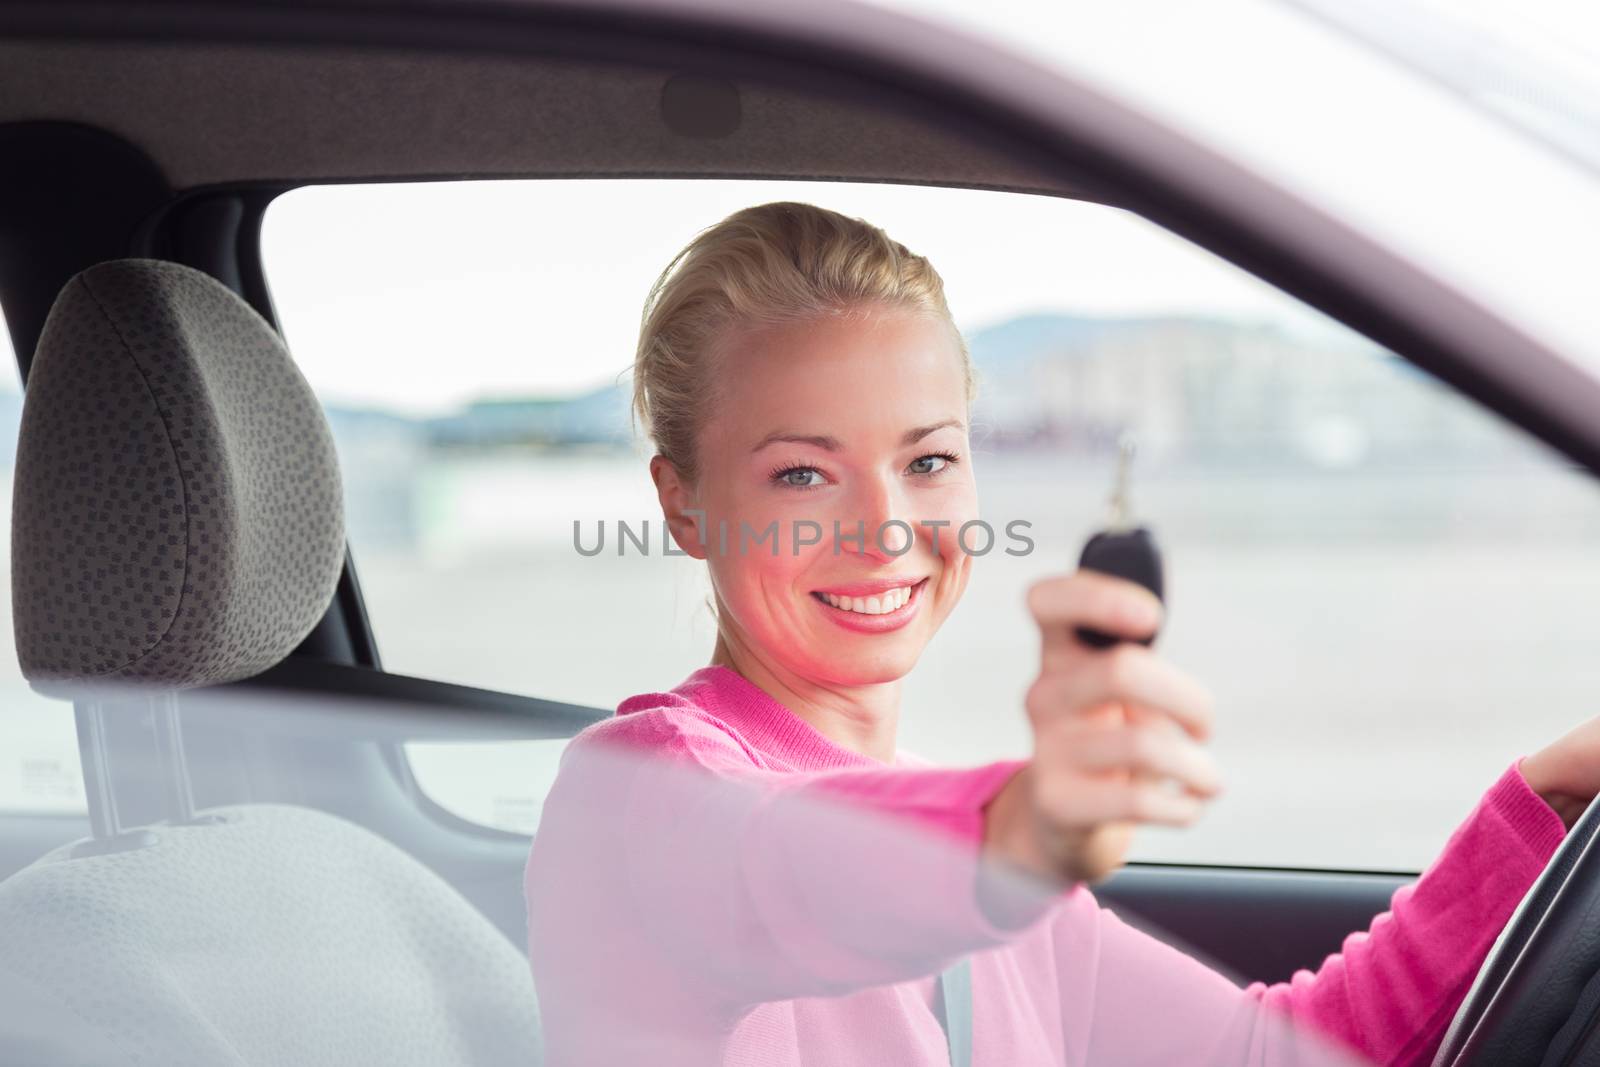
1536 1000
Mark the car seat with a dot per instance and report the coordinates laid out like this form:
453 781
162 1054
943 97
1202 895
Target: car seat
176 524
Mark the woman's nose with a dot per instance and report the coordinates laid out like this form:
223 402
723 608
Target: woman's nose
880 528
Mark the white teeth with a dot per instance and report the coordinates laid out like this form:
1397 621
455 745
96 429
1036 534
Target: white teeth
893 600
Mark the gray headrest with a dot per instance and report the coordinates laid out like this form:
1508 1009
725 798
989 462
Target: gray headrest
177 517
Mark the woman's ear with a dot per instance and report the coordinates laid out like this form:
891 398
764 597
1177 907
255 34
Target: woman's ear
684 521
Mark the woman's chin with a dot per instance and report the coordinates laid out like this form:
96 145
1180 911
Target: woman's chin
866 666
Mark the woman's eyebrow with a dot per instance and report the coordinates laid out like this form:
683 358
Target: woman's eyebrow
913 436
831 444
827 444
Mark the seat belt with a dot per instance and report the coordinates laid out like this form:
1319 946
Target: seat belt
956 986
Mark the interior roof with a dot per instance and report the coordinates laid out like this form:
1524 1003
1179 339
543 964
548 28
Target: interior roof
210 114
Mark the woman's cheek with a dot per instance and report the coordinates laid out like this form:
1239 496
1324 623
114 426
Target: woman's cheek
958 508
954 510
765 562
746 525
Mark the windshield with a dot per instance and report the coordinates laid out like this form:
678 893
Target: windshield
1534 69
1421 166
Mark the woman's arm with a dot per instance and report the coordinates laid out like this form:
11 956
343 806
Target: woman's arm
669 855
669 861
1388 995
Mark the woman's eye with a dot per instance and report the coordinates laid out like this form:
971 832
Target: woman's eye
801 477
929 464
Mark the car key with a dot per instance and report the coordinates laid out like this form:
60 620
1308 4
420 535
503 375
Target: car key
1123 549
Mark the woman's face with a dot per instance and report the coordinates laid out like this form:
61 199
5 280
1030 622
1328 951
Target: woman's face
855 423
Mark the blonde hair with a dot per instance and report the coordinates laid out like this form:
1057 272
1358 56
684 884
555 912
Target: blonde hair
768 264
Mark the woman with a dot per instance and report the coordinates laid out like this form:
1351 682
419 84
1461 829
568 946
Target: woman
743 870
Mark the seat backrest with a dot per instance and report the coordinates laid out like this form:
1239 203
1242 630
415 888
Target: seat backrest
177 523
277 935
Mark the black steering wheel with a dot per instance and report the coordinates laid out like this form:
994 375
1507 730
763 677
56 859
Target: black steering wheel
1536 1000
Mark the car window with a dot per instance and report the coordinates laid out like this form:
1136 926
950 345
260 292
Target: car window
39 770
1388 589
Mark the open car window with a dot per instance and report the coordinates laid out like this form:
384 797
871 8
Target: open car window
39 772
1370 572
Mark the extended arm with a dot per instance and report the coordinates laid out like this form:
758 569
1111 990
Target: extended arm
705 875
1388 995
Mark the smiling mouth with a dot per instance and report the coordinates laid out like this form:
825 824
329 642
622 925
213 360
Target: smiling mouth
885 603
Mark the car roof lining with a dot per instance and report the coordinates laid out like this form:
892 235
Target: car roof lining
212 114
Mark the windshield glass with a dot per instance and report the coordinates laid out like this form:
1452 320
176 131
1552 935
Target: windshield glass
1535 69
1507 218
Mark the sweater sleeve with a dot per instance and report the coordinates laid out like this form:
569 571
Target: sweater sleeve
1386 998
677 860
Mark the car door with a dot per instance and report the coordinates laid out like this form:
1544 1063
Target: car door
1276 572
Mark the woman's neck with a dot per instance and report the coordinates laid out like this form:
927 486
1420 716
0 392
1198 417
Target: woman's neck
862 718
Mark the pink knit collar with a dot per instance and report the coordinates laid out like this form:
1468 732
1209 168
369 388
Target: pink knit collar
766 724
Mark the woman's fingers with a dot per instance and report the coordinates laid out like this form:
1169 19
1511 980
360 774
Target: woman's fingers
1087 803
1126 674
1117 732
1151 749
1099 601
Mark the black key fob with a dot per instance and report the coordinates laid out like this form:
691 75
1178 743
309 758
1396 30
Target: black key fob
1130 554
1123 549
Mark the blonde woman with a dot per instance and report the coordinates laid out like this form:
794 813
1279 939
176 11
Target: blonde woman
743 869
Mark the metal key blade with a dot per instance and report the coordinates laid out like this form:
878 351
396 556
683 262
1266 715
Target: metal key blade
1123 549
1121 506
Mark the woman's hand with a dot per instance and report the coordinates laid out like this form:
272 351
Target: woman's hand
1566 772
1117 737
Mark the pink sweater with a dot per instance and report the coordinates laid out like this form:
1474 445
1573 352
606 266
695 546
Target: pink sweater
714 882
